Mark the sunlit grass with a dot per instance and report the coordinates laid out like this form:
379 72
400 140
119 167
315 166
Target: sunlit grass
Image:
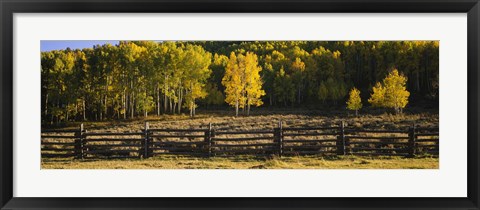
248 162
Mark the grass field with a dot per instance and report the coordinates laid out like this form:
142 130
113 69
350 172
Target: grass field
267 119
172 162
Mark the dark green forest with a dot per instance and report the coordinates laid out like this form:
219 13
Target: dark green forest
142 78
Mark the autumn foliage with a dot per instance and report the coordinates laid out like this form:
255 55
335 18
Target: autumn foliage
391 93
354 101
139 78
243 85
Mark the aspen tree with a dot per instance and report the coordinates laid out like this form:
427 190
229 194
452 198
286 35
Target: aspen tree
232 83
197 62
242 82
354 101
253 83
392 93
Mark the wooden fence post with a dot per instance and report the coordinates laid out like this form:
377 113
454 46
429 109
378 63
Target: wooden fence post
212 135
208 139
277 137
83 138
280 138
79 136
146 140
411 141
341 139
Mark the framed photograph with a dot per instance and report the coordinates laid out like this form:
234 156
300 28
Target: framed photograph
239 104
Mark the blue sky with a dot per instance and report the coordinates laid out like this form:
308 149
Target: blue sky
48 45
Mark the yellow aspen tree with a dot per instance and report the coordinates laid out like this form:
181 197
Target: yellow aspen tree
298 68
354 101
242 72
253 84
378 95
196 73
232 83
396 93
392 93
195 91
242 81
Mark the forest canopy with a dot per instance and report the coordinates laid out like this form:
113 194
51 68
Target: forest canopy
138 78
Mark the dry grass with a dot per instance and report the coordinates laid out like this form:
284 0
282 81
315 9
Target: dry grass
226 121
312 162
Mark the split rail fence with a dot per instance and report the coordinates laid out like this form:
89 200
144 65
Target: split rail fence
280 141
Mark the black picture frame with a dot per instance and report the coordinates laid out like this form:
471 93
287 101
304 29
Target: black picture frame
10 7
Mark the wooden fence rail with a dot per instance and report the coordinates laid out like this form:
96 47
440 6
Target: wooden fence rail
280 141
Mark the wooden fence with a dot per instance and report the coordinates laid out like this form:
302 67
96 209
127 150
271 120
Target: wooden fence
280 141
